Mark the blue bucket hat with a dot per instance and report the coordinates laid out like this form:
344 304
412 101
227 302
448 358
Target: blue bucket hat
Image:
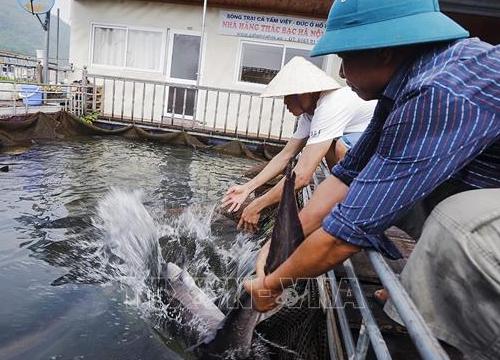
370 24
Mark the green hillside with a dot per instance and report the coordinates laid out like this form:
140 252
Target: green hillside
22 33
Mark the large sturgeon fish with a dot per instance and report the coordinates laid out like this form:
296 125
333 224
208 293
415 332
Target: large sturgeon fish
233 336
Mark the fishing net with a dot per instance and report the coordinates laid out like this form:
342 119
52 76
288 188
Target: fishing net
24 130
299 331
294 332
236 148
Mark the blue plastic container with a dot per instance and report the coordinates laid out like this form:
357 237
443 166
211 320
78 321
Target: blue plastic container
31 95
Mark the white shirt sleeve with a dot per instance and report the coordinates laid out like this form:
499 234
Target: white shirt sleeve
335 110
303 127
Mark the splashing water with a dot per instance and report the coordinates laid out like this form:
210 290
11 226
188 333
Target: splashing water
133 246
129 243
217 264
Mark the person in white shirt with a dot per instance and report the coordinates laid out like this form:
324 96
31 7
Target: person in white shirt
327 112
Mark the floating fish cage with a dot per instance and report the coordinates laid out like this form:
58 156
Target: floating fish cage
333 317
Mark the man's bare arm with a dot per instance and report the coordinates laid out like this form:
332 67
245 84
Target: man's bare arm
237 194
308 162
277 164
326 196
319 253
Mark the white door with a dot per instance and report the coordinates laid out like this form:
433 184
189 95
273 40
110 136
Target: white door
182 68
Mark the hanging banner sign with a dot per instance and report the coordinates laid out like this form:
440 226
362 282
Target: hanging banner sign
271 27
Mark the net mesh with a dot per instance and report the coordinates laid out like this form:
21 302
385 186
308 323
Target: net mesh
294 332
23 130
297 332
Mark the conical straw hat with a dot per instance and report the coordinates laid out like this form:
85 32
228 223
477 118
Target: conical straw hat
299 76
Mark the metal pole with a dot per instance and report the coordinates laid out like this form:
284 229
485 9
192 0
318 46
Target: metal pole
153 105
47 48
216 110
84 90
205 110
163 104
57 46
202 43
376 338
113 102
237 116
425 342
350 348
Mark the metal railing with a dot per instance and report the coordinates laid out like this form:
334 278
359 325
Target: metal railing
202 110
20 98
18 67
205 110
425 342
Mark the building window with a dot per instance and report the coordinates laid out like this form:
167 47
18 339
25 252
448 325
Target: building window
109 46
261 62
144 49
125 47
290 53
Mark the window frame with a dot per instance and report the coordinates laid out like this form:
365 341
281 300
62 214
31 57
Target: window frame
282 44
240 59
324 58
168 67
170 52
163 49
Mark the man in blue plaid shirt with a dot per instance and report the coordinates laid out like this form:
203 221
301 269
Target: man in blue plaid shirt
434 133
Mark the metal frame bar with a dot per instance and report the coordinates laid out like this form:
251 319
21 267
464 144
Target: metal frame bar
125 105
271 120
153 103
184 108
128 110
260 115
426 343
227 110
113 100
163 101
349 345
25 67
94 95
205 111
249 114
282 121
376 338
237 116
216 110
103 96
123 99
195 110
143 100
68 97
133 101
174 100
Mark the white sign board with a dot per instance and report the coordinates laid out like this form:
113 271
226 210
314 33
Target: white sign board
271 27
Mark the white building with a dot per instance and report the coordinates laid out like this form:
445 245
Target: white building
159 43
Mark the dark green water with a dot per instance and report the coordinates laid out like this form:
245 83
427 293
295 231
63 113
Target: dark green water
49 307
